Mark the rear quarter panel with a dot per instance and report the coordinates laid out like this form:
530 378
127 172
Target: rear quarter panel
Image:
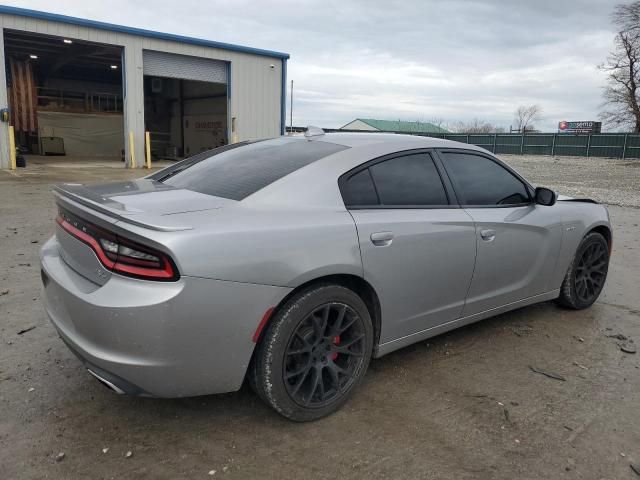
292 231
271 246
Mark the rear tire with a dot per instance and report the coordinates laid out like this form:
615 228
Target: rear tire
314 353
587 273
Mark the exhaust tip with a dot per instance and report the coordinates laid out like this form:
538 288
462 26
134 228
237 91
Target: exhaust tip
106 383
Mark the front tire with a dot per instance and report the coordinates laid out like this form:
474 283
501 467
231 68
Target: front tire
314 353
587 273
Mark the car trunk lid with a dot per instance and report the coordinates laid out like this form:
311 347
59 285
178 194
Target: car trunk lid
110 207
142 202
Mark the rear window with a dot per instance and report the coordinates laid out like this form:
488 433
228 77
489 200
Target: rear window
236 173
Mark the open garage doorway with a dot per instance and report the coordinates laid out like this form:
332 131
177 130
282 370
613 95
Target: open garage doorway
185 104
65 98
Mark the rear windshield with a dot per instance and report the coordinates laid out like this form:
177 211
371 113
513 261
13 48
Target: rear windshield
236 171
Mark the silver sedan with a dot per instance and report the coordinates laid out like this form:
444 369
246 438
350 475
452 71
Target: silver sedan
292 262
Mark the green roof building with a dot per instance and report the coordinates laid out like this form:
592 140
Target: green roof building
400 126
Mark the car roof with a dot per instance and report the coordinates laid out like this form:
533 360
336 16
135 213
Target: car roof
316 184
354 140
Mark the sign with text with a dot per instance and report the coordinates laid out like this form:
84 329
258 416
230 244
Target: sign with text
204 132
579 127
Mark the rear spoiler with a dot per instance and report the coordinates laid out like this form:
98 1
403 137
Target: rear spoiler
111 209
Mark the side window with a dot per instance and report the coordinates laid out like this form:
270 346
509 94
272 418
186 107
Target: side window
409 180
359 190
480 181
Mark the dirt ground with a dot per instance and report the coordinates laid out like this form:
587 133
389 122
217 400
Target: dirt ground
464 405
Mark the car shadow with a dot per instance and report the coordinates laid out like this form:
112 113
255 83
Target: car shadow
244 411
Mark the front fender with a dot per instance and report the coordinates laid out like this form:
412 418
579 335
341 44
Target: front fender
578 219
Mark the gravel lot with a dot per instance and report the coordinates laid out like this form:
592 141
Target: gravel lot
610 181
464 405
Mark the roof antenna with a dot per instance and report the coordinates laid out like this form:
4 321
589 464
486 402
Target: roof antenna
313 132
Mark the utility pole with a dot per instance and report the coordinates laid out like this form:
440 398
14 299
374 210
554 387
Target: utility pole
291 110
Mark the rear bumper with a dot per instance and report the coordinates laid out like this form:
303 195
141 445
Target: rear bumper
164 339
111 381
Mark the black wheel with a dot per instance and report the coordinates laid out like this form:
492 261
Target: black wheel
587 273
314 353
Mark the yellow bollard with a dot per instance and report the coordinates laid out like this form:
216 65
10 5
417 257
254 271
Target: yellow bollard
12 148
132 163
147 139
234 133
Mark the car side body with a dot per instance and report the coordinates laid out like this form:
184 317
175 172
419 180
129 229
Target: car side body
420 270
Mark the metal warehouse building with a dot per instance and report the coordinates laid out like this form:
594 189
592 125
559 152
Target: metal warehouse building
89 89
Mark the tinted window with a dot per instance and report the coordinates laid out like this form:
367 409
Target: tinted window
409 180
236 173
480 181
359 190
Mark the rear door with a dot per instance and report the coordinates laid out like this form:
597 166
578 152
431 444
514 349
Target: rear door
418 248
517 240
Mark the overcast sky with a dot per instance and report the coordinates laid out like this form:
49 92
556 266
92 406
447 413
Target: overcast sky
409 60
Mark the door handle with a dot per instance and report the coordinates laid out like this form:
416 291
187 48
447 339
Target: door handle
382 239
488 235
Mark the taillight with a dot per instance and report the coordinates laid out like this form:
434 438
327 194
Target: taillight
119 254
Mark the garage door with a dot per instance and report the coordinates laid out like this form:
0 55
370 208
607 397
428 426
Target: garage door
162 64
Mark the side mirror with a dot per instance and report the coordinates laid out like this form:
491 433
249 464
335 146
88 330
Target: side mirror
545 196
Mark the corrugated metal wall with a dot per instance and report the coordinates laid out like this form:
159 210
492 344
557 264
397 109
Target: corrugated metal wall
256 88
170 65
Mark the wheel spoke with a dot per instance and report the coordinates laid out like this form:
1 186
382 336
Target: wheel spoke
334 378
596 261
580 287
345 347
300 381
315 377
306 342
303 369
325 316
346 351
349 323
320 388
320 324
337 325
341 370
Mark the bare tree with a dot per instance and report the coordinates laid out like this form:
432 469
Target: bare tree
439 122
474 126
621 95
526 116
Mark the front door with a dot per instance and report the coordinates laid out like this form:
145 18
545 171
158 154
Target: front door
418 250
517 242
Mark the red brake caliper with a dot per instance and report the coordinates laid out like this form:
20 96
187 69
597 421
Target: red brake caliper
336 341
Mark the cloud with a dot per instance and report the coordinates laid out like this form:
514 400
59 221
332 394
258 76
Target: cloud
410 59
